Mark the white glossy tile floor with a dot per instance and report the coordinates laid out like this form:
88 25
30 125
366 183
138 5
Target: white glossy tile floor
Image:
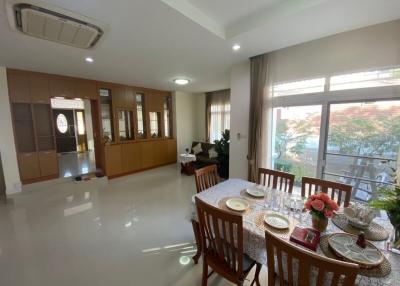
131 230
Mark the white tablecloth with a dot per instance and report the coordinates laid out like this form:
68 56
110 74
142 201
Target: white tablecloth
187 158
254 240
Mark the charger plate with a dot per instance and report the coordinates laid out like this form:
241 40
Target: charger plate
380 271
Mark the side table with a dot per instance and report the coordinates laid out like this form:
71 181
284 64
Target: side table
187 163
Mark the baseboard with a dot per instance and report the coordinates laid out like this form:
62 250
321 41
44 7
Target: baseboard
138 171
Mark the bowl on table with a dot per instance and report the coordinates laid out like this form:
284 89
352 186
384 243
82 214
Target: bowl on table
359 216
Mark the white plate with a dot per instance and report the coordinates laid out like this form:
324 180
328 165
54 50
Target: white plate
255 192
276 220
237 204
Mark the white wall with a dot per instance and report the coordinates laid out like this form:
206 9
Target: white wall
190 119
7 146
371 47
240 106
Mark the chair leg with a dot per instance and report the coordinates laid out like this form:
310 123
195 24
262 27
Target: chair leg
257 275
196 231
205 274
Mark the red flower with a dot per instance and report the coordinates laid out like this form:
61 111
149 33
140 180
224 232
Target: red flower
318 205
313 197
333 205
328 213
325 197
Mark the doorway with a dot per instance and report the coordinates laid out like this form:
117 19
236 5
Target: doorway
74 136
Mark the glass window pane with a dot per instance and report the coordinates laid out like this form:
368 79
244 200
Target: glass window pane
384 77
167 117
299 87
296 132
106 116
155 124
140 115
363 145
125 125
220 120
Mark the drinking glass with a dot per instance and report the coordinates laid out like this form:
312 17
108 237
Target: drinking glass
267 198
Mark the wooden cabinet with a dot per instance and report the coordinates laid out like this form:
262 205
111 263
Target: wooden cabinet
122 97
154 101
147 154
160 152
39 87
60 87
131 157
28 166
113 159
18 86
48 163
171 149
86 89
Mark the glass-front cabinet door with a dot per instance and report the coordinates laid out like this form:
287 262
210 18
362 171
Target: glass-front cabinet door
125 125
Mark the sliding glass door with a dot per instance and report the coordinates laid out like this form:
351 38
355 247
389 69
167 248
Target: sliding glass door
362 145
296 133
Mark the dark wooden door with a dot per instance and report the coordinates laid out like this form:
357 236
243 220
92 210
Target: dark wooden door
65 130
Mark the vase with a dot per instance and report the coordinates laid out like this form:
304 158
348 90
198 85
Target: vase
319 223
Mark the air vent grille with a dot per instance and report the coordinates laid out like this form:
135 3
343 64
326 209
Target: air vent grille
49 25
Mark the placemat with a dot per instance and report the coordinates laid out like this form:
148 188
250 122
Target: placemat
243 193
222 205
379 271
283 233
375 232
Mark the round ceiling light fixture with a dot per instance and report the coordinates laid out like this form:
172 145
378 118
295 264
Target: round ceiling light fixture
89 60
236 47
181 81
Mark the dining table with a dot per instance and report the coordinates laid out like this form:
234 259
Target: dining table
254 233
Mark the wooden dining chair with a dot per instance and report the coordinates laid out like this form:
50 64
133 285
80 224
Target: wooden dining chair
337 191
205 178
221 235
277 248
276 179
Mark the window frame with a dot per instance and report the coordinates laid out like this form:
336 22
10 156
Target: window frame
325 99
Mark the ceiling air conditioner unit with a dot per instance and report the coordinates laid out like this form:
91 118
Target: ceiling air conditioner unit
55 26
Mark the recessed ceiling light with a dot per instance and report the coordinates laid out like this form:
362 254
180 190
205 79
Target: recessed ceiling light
181 81
89 60
236 47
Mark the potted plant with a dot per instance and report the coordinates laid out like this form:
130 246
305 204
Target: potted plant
321 208
222 148
388 199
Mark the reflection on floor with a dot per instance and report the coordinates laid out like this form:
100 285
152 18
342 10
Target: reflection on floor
74 163
130 231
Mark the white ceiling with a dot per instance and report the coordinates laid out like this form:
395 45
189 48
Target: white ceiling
151 42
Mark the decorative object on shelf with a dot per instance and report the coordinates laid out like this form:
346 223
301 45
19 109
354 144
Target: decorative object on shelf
187 151
359 215
222 148
388 199
321 208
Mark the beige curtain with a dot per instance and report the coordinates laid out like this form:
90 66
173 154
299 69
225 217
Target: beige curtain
217 113
258 80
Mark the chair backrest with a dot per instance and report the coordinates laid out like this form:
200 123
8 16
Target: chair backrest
276 179
221 235
206 177
337 191
337 270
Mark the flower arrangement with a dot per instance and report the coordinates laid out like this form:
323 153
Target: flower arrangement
321 205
